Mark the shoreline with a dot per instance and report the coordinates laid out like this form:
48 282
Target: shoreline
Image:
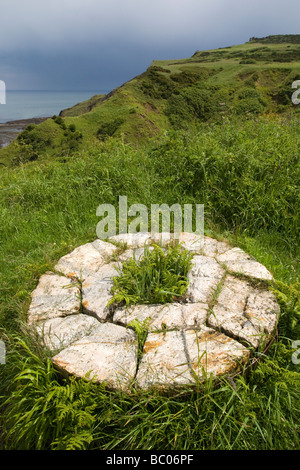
11 129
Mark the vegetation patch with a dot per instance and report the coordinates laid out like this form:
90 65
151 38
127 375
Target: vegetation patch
278 39
30 143
246 172
159 277
108 129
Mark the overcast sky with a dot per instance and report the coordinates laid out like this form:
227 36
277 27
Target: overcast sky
99 44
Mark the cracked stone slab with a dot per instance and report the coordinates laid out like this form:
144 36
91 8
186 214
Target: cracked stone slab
245 312
108 355
136 253
96 291
164 362
236 260
262 311
162 238
195 314
105 249
59 333
73 317
213 247
204 278
183 357
211 352
192 242
161 317
54 296
86 259
133 240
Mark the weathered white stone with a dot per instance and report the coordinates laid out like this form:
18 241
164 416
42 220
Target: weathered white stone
136 253
204 278
164 362
189 241
185 340
133 240
107 272
156 316
162 238
213 247
262 311
108 355
192 242
126 255
179 357
244 312
55 296
105 249
85 260
236 260
59 333
96 291
194 314
210 352
161 317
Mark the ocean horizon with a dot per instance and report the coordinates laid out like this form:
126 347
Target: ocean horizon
25 104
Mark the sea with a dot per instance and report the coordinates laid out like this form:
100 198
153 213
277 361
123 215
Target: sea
34 104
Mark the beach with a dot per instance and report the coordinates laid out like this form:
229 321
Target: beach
11 129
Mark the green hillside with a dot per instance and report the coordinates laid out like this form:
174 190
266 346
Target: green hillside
217 129
239 81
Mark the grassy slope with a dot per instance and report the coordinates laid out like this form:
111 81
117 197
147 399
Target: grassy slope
49 209
145 106
83 107
248 176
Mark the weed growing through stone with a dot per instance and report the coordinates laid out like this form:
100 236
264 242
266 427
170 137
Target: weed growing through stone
141 331
159 277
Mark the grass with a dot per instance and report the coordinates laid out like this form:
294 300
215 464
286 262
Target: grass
246 172
171 94
230 168
156 278
261 412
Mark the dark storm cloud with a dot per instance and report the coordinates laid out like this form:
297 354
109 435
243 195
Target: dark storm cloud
92 44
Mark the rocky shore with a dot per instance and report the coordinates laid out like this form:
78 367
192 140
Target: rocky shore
10 130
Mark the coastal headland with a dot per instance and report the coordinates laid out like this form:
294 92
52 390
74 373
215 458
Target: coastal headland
11 129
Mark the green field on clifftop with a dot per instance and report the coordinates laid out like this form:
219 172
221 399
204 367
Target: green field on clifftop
248 80
218 129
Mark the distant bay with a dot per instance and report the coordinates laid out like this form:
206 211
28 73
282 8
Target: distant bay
22 105
25 107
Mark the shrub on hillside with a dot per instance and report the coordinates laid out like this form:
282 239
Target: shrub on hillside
108 129
191 103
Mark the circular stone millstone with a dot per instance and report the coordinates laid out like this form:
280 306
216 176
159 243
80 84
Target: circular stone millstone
227 314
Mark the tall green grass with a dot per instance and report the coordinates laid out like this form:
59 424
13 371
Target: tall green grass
247 176
158 277
259 412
